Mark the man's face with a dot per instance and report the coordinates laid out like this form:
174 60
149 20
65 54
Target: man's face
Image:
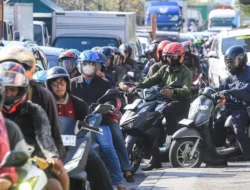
59 87
11 91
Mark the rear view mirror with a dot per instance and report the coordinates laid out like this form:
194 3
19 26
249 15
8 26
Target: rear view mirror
14 158
103 109
16 36
111 93
176 84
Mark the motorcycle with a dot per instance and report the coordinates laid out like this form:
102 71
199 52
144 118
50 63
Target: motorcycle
199 83
193 143
142 124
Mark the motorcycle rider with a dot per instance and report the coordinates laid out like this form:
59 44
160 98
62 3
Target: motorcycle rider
191 60
237 94
201 49
176 110
150 53
68 60
71 109
90 88
36 93
40 77
156 67
32 121
128 63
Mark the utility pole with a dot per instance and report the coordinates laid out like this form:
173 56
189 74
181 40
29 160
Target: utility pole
1 20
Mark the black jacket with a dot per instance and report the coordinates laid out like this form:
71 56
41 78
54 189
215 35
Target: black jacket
45 99
90 93
80 108
35 126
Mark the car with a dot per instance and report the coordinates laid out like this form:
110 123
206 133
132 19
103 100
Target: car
167 35
221 42
52 55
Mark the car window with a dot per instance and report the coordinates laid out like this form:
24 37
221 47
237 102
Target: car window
243 40
38 36
215 45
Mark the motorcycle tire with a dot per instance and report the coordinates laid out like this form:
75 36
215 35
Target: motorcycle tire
174 149
134 164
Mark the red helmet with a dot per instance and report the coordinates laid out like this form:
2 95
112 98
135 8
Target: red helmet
174 48
187 46
160 48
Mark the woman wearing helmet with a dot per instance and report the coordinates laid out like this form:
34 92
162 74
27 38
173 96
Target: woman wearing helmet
129 63
68 60
160 62
172 72
70 109
32 120
36 94
191 60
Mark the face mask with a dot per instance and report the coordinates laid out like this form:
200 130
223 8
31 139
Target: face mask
88 70
173 62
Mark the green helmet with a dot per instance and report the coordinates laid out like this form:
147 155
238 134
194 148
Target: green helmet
197 42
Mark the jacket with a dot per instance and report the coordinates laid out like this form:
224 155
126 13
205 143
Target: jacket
192 62
166 77
5 172
45 99
154 68
35 126
132 63
91 92
238 89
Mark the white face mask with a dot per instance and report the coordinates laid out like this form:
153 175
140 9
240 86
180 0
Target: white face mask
88 70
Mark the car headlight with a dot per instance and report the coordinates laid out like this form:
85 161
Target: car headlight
194 108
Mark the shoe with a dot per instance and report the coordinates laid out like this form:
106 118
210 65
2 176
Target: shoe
222 164
228 150
129 178
151 167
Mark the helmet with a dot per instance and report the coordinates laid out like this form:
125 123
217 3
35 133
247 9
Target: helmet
125 48
109 53
174 49
187 46
40 76
197 42
160 47
151 48
39 55
68 60
88 57
13 75
20 55
235 59
75 51
117 55
156 41
55 73
96 48
102 58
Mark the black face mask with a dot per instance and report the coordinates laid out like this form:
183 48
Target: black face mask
173 63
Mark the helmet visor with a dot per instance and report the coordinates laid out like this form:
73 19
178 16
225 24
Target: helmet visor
13 78
172 56
69 64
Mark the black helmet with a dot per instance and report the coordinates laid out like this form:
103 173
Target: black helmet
102 58
125 48
151 48
117 55
107 51
55 73
235 59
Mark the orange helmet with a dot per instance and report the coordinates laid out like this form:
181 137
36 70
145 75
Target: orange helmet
174 49
160 48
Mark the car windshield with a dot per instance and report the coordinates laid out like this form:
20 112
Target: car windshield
171 38
52 60
238 40
38 34
220 22
84 43
171 17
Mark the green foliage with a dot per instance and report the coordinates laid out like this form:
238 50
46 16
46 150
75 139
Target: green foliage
245 9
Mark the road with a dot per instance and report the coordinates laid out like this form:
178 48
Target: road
234 177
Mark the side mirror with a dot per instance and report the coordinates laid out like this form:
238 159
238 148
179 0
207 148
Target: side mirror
176 84
108 95
213 54
16 36
103 109
14 158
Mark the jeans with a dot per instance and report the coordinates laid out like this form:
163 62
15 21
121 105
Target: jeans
119 145
109 155
98 176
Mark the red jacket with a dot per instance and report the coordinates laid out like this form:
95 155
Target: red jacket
5 172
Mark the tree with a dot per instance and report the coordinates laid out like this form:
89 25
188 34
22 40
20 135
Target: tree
244 8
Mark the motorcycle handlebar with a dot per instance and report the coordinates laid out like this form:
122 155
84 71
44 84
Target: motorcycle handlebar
83 125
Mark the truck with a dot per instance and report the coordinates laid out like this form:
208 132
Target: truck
221 18
41 35
18 21
84 30
168 15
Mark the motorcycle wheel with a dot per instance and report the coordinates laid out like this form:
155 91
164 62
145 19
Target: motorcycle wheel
134 157
180 151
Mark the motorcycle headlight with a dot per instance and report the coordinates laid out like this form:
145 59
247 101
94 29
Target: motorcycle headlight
29 184
194 108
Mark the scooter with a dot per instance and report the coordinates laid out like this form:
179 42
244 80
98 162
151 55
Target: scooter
193 143
142 124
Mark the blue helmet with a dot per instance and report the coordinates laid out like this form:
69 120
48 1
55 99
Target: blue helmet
40 76
102 58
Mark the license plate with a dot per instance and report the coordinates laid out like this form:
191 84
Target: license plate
186 122
69 140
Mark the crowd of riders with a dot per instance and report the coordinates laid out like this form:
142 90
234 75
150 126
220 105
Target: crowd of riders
37 106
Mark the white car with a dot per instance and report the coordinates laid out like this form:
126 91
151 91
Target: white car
221 43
